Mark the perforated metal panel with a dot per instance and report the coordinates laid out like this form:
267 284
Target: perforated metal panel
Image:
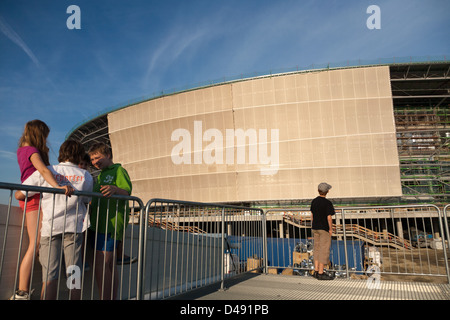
270 138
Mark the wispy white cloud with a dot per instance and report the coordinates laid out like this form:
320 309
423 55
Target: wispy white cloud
8 31
11 130
170 50
7 155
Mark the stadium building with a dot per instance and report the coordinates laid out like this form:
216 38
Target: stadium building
377 132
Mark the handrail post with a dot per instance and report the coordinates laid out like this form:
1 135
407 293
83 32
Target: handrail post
442 222
345 242
222 271
264 237
143 221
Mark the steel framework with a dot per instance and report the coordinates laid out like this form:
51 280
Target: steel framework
421 95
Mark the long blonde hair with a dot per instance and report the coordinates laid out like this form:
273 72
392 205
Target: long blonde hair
35 134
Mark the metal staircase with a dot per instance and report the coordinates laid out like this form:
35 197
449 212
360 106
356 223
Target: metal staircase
355 231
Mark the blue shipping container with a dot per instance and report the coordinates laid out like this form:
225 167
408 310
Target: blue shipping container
280 251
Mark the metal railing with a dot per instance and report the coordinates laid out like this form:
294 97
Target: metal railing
189 245
181 246
14 240
393 240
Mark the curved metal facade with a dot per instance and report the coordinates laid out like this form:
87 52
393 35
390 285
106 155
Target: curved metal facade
265 139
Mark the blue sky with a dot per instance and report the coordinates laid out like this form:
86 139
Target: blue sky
133 49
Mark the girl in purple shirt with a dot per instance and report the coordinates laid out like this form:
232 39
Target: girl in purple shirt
32 155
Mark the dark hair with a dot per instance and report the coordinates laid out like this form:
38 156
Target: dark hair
100 147
86 158
35 134
72 151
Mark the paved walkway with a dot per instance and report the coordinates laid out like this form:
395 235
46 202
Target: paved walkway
280 287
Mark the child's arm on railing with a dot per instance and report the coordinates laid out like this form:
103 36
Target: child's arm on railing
19 195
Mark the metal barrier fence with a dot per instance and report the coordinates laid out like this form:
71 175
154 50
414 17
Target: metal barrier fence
390 241
180 246
93 266
189 245
447 238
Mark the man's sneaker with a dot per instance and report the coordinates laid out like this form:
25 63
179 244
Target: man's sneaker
315 274
20 295
324 276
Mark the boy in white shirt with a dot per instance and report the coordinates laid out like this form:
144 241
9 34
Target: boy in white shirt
58 221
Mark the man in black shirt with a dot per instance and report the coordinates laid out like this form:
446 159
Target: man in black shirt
322 211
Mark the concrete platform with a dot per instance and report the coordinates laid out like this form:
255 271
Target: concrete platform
280 287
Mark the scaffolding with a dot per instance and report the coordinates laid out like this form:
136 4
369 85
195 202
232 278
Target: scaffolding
422 119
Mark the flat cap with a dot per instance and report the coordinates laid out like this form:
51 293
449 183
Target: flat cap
324 187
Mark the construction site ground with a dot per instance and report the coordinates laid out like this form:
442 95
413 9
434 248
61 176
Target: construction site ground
257 286
251 286
425 263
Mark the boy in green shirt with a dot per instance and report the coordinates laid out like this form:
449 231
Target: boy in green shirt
112 217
